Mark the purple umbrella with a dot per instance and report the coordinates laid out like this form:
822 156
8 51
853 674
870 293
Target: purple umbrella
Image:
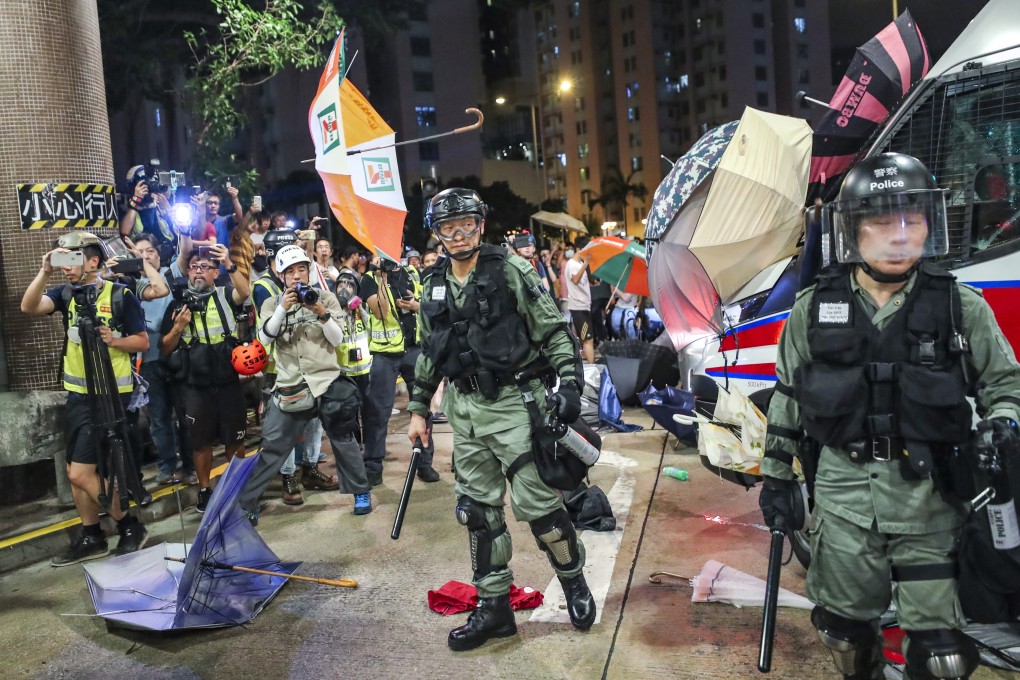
145 590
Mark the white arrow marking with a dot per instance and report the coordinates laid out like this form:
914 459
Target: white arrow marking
601 547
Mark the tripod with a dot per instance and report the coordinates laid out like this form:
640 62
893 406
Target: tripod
109 421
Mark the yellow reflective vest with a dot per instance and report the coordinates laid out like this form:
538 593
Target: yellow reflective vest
74 360
269 283
353 353
386 335
209 327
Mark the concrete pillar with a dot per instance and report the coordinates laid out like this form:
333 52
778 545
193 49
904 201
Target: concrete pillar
54 129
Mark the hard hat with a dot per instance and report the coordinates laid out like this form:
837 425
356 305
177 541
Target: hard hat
290 255
275 239
76 240
250 358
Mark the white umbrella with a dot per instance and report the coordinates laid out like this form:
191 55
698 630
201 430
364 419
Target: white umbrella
718 582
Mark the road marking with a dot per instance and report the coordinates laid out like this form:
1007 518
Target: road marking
601 547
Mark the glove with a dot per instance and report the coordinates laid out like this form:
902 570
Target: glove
999 432
782 504
566 402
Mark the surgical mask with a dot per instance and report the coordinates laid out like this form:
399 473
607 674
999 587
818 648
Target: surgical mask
570 253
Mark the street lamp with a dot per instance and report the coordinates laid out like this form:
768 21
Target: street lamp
566 85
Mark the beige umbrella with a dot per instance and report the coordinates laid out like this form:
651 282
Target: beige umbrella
752 215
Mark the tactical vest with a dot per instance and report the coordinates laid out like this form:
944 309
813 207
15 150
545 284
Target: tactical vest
206 339
352 354
109 308
905 383
487 333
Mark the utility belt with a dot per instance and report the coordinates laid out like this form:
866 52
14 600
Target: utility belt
488 383
882 449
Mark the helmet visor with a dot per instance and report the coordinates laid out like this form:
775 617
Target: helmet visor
890 227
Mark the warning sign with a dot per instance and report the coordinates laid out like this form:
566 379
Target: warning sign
67 206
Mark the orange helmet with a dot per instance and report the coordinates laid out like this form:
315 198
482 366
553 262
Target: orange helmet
250 358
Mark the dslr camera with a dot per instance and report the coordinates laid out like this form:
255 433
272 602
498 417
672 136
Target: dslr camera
306 295
184 298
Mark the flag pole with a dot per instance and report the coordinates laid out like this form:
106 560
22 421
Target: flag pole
467 128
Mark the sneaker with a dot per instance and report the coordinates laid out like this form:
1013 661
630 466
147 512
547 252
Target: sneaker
428 474
85 548
252 517
203 500
313 478
189 478
291 492
132 537
362 503
394 411
439 417
164 478
374 478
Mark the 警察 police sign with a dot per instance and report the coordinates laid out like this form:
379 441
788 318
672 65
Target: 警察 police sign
63 206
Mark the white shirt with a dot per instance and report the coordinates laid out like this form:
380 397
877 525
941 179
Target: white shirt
578 294
626 300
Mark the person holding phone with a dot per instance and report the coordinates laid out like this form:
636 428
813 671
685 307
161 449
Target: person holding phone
80 255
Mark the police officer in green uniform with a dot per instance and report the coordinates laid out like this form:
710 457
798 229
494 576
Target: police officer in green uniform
487 325
875 365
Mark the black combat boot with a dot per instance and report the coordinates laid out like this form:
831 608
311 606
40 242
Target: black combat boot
580 603
492 619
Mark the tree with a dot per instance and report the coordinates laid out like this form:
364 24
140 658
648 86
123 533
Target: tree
616 192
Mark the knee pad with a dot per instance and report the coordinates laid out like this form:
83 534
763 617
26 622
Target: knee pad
853 644
940 654
556 537
490 547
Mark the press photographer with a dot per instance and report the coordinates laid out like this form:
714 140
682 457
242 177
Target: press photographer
149 210
301 326
116 317
197 337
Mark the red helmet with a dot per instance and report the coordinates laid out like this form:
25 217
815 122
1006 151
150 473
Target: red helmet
250 358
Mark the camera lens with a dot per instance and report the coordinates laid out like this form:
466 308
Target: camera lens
306 294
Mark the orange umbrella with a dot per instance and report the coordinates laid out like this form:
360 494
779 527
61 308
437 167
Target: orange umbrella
620 262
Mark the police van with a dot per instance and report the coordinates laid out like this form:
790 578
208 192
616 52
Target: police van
963 122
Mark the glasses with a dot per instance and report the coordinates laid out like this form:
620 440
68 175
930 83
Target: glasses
465 227
201 267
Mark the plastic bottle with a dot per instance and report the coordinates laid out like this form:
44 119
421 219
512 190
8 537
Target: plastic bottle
675 473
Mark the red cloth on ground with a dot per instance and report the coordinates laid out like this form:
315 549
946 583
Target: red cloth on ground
455 597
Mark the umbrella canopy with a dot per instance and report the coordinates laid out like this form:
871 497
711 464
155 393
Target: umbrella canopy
144 590
687 174
620 262
882 71
718 582
744 216
560 221
364 192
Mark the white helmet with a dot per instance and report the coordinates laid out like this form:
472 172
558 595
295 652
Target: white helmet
290 255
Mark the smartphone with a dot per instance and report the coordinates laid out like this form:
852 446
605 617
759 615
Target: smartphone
205 253
74 258
227 184
256 204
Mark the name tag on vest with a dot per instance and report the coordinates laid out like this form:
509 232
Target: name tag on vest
439 293
834 312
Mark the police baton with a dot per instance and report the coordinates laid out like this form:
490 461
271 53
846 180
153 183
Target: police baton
768 618
412 468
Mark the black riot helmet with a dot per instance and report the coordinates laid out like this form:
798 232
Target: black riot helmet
897 194
276 239
454 203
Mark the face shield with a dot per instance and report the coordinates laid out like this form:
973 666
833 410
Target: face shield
899 227
462 226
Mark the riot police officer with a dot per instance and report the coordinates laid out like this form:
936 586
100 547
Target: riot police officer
488 326
875 364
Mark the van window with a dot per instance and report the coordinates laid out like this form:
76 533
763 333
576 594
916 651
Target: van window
966 130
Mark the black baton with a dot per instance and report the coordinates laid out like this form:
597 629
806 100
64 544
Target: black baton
768 618
412 468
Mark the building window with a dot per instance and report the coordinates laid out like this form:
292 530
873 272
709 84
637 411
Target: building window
574 9
634 139
563 159
800 24
582 150
724 101
428 151
699 79
802 51
633 113
635 163
759 47
426 116
626 40
805 76
722 73
584 174
761 73
421 47
582 127
698 54
684 81
579 104
763 99
422 81
159 119
758 20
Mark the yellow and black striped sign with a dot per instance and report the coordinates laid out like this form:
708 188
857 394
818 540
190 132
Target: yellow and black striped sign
67 206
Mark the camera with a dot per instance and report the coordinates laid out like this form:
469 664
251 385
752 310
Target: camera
306 294
183 297
388 266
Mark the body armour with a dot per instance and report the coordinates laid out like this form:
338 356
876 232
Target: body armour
904 383
486 334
